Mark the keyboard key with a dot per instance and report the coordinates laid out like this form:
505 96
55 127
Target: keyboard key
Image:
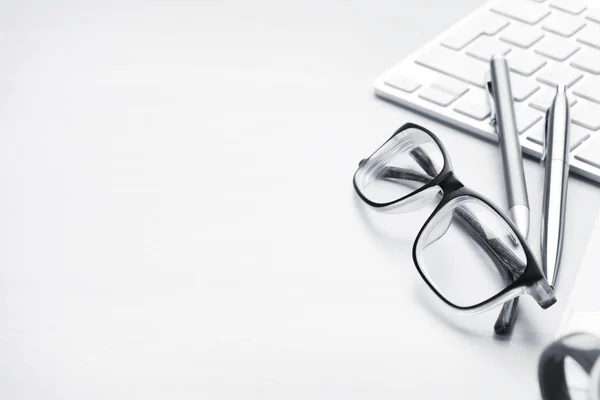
447 81
455 64
593 14
485 24
571 6
588 60
556 48
401 82
562 24
450 85
590 35
522 87
559 74
586 114
521 35
577 134
526 117
473 104
437 96
527 12
542 99
524 62
590 152
485 47
589 88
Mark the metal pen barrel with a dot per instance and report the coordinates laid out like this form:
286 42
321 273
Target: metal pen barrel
556 158
514 177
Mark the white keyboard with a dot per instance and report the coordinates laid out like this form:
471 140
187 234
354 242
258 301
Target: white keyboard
546 42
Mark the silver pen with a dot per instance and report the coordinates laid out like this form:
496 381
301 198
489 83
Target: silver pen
503 117
556 160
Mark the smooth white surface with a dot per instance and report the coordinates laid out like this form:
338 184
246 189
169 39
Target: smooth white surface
582 312
179 220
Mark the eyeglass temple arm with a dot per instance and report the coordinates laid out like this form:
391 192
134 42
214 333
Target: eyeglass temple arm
421 157
503 254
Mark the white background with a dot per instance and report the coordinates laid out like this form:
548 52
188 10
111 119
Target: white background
178 219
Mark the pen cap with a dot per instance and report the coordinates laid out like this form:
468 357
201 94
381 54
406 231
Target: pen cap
556 146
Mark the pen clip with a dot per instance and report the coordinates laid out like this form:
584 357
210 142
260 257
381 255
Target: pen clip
547 124
490 95
546 131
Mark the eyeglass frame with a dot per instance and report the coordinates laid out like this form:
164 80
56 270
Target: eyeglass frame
531 281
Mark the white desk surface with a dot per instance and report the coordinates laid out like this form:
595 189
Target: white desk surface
178 219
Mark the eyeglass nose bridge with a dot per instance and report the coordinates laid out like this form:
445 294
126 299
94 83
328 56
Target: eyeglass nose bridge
450 183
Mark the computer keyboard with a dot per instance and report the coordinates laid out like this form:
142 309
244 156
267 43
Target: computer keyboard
546 42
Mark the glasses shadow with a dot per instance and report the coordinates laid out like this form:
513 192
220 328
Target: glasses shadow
433 306
526 334
402 248
389 230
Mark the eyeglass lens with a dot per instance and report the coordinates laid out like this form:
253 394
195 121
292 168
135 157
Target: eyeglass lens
469 253
405 163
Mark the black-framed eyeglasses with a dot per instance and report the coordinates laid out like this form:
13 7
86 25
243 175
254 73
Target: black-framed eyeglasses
468 251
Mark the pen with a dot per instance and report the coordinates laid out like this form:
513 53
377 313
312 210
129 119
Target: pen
556 160
503 117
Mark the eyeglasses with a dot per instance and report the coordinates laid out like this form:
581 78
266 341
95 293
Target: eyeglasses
468 252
